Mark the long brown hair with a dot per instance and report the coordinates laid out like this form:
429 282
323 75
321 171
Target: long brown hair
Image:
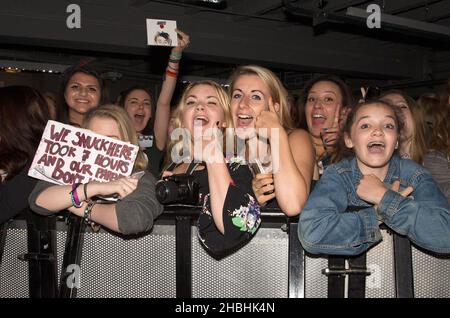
123 95
439 136
301 102
62 111
23 116
418 143
445 94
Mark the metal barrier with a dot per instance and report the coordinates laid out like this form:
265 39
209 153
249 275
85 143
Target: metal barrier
170 262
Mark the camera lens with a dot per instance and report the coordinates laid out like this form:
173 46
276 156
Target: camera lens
177 189
166 191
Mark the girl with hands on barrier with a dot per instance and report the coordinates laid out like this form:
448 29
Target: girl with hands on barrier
230 214
371 189
259 107
373 185
120 187
136 207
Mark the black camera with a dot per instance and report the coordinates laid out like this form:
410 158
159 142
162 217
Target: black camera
178 188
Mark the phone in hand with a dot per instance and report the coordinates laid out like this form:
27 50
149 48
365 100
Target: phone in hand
257 166
137 175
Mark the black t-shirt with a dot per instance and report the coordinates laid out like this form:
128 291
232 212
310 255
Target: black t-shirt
241 212
14 194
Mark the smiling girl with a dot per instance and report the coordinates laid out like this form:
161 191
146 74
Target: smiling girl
372 185
137 208
230 214
82 89
259 104
323 107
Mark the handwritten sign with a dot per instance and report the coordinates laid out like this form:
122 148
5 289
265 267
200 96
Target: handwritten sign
69 154
161 32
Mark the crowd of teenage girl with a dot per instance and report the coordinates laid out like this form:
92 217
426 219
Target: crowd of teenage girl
344 164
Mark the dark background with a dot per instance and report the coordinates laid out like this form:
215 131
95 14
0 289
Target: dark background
296 39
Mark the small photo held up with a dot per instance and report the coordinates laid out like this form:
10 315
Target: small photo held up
161 32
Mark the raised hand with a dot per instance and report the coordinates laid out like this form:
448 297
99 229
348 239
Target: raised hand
183 41
269 118
263 187
330 135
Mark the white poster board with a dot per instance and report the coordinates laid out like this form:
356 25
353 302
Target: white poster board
161 32
69 154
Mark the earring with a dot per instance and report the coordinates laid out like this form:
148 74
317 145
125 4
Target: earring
396 145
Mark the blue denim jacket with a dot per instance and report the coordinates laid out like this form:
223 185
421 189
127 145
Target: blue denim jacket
326 228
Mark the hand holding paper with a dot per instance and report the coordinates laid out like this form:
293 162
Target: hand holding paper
68 155
161 32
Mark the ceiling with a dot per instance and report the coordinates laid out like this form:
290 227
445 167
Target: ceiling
297 39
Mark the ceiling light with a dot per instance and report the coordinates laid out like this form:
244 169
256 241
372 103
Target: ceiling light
11 69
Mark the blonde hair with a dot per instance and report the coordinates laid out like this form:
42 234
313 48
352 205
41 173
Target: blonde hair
224 102
276 89
126 128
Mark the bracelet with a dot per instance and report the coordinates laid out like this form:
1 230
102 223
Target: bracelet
74 196
176 55
87 212
85 191
171 74
174 61
172 68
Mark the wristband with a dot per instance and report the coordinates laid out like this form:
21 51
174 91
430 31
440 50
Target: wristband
74 196
172 68
85 191
176 55
170 73
87 212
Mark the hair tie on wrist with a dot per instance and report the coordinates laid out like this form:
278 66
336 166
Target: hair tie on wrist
85 191
171 73
176 55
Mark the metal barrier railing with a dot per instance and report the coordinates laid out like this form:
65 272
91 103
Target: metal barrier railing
43 268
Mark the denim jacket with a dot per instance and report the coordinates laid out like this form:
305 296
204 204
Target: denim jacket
326 228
